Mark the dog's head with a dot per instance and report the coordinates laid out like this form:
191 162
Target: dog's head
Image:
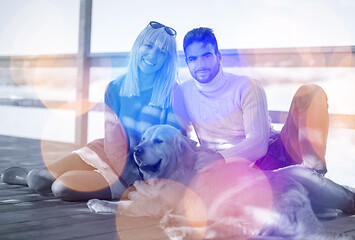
160 152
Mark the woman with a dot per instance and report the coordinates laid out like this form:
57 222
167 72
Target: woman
135 101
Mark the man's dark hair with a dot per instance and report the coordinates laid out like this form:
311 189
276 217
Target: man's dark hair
202 34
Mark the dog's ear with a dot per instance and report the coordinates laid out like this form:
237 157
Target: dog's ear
184 144
192 143
183 132
186 152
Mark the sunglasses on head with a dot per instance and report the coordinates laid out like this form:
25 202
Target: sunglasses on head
168 30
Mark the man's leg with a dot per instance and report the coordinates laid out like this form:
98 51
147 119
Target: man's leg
305 132
322 191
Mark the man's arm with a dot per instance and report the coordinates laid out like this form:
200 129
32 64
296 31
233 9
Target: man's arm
256 126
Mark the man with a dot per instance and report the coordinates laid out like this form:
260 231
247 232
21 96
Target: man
230 116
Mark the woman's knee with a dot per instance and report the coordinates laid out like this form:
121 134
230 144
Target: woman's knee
67 194
62 187
80 186
59 190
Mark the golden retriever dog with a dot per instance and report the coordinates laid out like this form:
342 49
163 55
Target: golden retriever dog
224 201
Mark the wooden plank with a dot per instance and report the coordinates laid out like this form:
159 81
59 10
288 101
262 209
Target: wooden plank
130 223
15 192
139 228
42 213
110 236
31 202
58 221
343 223
7 186
153 233
66 231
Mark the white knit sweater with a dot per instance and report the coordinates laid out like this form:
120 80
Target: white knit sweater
229 115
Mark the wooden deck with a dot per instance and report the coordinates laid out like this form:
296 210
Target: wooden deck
28 215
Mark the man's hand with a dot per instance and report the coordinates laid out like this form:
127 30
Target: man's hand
204 160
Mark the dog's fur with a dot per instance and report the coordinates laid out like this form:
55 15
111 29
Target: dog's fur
231 200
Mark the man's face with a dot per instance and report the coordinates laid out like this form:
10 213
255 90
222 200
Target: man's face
202 61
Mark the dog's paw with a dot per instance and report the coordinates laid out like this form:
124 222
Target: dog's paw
177 227
174 221
102 206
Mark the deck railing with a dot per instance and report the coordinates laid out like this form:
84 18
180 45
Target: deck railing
286 57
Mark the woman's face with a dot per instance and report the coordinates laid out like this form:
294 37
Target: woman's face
151 58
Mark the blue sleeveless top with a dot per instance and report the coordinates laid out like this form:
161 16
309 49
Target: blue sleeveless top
135 113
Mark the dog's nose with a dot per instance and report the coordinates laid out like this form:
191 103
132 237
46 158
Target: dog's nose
138 151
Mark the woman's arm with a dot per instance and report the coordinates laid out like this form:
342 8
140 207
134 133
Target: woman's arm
115 141
179 111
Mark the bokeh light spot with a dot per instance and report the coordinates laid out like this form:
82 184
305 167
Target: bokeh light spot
54 149
232 194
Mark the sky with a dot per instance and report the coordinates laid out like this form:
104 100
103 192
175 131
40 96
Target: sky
51 26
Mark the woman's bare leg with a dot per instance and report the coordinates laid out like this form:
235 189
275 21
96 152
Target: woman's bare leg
41 180
81 185
71 179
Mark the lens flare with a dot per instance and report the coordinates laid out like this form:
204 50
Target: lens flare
48 83
307 126
341 59
195 211
230 197
80 106
57 128
151 198
310 58
234 59
20 71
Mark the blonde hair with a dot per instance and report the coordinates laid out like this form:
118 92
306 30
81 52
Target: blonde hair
164 77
